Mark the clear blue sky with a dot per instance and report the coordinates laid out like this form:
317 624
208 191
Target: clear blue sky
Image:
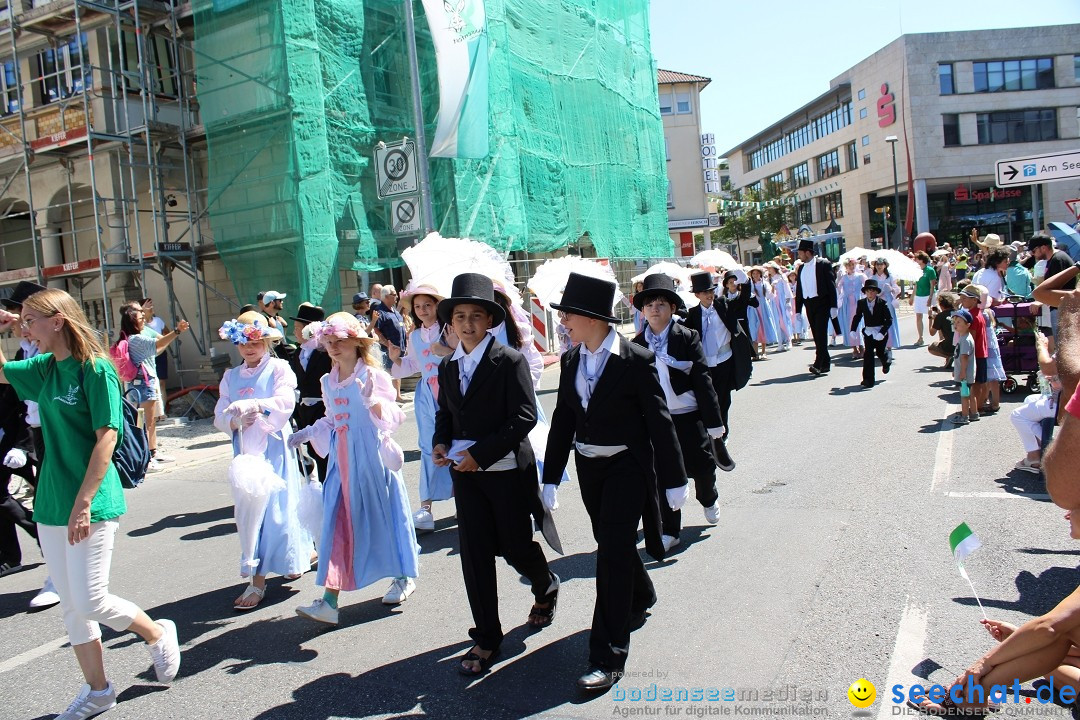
769 57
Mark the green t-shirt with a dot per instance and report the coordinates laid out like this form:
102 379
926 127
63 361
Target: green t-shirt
70 417
922 286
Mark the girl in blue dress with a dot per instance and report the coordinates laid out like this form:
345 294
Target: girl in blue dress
761 318
890 292
850 286
367 530
256 400
425 353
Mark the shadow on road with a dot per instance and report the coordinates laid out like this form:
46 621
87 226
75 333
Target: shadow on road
1038 595
801 377
1018 482
181 520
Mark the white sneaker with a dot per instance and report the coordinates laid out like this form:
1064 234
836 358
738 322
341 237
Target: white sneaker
399 591
153 466
166 652
86 705
46 597
164 458
319 610
423 520
712 513
669 542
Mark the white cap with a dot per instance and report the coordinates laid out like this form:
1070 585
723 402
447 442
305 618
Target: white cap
272 296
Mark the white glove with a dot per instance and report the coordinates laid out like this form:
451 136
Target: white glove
677 497
834 313
878 336
239 408
740 276
550 497
717 432
15 459
855 338
298 438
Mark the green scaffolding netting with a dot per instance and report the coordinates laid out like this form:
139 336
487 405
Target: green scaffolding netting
294 95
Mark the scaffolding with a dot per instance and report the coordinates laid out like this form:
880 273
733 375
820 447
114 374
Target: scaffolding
102 91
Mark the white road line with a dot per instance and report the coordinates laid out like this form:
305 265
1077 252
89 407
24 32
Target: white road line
906 654
33 654
999 494
943 456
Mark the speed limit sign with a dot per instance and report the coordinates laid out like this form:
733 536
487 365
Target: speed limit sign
395 169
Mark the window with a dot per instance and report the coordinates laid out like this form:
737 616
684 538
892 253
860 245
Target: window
800 175
945 79
828 165
61 69
803 214
852 156
159 59
862 94
866 159
682 103
10 91
950 125
832 206
667 148
862 113
865 140
1006 75
1076 68
774 184
665 103
1017 126
670 197
837 118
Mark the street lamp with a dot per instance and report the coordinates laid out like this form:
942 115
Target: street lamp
892 139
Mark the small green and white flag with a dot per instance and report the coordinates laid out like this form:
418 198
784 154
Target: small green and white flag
963 542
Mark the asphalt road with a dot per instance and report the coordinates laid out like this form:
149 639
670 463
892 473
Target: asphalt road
830 563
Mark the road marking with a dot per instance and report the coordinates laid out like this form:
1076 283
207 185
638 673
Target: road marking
906 654
943 456
999 494
32 654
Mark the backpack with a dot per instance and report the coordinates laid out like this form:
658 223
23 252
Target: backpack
125 369
132 454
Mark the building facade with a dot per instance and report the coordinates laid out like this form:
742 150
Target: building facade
954 104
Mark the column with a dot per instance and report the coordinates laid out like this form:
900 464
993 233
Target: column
922 215
52 252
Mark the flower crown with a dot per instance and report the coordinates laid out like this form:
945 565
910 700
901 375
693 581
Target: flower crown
240 334
339 327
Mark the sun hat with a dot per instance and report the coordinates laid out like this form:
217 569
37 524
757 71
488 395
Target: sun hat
248 327
342 325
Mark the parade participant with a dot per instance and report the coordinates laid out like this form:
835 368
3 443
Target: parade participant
256 400
762 321
783 300
309 362
15 449
964 367
367 532
924 289
874 315
611 411
425 352
486 410
890 293
691 400
798 322
815 288
850 289
142 350
716 319
389 328
636 317
79 496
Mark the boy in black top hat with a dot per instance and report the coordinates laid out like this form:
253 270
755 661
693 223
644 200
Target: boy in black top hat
611 411
486 410
309 361
688 391
876 319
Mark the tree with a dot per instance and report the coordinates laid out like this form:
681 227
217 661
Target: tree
761 214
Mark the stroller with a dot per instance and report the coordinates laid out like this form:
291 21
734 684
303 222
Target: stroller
1017 322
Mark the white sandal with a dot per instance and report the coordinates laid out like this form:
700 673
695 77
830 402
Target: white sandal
248 592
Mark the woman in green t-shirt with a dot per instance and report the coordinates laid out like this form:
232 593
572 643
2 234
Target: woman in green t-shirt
79 496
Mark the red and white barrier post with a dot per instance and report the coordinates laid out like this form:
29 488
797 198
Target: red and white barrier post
539 324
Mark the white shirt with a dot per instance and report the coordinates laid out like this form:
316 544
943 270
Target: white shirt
467 363
157 324
721 336
808 275
665 365
589 360
991 280
875 329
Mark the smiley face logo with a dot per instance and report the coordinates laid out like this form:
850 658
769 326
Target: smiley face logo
862 693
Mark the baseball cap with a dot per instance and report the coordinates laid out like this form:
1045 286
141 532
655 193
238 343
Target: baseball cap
272 296
964 315
359 297
972 291
1038 240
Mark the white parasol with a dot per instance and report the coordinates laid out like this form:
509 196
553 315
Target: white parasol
252 481
854 254
436 260
548 281
939 253
680 273
900 266
715 259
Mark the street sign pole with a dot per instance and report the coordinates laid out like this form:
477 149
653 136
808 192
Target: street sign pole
426 214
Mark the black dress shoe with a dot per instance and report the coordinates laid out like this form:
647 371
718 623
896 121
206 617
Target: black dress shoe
814 370
598 678
722 456
637 619
885 367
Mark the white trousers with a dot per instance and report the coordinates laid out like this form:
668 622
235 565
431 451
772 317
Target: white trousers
80 573
1027 419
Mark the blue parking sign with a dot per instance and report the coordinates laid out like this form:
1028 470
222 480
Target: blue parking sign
1030 170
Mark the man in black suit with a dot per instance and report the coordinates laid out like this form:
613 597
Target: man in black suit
486 410
610 409
309 362
691 400
876 319
815 288
716 320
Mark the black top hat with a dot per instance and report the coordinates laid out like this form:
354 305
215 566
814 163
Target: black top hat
308 313
471 289
701 282
729 275
23 290
870 284
588 296
658 285
807 245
